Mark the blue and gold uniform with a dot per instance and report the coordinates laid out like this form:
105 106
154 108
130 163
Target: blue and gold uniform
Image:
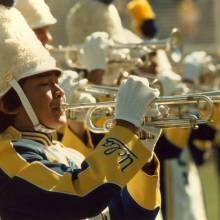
49 181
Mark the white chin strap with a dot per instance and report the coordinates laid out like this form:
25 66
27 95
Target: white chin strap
28 108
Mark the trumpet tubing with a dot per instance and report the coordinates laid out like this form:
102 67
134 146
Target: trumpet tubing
102 90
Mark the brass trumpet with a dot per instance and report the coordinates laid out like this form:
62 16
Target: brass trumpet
173 45
166 120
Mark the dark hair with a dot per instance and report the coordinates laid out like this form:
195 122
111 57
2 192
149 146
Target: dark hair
7 3
149 28
107 2
11 101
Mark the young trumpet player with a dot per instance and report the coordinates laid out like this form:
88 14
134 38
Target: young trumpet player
40 178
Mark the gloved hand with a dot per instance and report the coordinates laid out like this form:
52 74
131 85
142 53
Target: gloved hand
71 84
197 64
172 84
73 88
150 135
79 98
133 99
95 51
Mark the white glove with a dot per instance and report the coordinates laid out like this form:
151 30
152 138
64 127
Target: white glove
194 65
70 83
133 98
172 84
151 134
95 51
119 54
79 98
73 87
83 97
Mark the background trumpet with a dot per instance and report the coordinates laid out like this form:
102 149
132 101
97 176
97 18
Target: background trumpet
68 56
172 45
111 91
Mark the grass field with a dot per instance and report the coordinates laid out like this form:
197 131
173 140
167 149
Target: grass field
211 185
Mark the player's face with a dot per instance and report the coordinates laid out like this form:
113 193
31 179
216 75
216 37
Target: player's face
43 35
46 97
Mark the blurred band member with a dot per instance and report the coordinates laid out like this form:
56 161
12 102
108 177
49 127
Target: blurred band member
39 18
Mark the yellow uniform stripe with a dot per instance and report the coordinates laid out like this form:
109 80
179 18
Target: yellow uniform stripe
178 136
72 141
147 193
135 156
10 161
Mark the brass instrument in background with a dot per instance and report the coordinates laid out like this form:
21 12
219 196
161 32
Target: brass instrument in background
101 90
166 120
111 91
67 56
172 45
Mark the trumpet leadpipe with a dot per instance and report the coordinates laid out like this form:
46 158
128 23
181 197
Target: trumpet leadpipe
73 107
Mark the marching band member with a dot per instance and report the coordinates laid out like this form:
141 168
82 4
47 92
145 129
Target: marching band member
105 18
39 18
48 180
88 16
203 78
179 151
95 56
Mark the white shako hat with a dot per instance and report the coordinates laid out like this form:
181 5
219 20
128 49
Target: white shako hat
36 12
88 16
21 55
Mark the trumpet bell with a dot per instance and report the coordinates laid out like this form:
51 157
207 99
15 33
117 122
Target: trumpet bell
175 46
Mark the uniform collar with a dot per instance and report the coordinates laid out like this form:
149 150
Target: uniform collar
12 133
37 136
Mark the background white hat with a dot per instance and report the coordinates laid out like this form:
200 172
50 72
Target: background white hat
36 13
21 55
88 16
